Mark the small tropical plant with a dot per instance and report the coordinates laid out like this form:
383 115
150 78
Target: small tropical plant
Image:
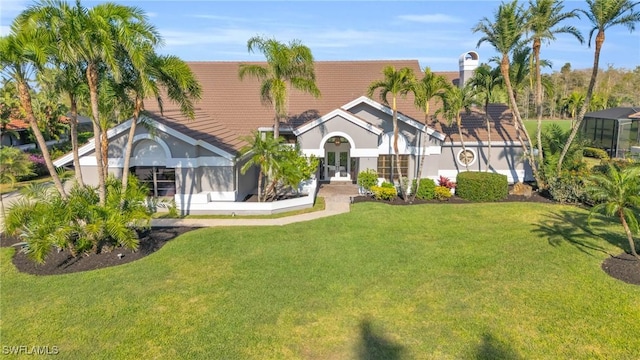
14 164
367 179
386 191
446 182
617 194
46 221
442 193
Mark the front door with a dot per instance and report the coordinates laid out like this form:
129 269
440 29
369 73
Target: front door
337 164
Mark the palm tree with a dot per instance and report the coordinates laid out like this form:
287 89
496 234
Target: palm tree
483 83
13 164
504 34
454 100
21 53
545 17
429 87
262 152
618 195
603 14
168 72
396 82
94 37
572 103
288 65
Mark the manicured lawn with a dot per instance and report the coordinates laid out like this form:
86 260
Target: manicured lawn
470 281
532 125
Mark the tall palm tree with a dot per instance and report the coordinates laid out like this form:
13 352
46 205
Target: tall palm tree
454 100
545 17
21 53
262 152
288 65
429 87
504 33
396 83
160 72
618 195
93 37
603 14
483 83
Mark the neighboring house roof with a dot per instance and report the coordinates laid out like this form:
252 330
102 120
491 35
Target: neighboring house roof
231 108
613 113
16 124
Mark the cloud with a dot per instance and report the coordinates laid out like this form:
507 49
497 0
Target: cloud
431 18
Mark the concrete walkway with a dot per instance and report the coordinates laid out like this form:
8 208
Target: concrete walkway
337 201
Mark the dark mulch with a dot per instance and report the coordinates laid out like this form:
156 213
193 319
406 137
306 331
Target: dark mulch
623 267
63 263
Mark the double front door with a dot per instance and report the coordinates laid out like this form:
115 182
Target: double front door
337 165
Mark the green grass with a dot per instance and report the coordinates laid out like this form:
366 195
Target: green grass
437 281
532 125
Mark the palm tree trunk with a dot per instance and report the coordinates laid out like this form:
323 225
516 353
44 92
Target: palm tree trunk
260 185
488 117
629 235
25 100
536 57
519 125
92 77
128 150
395 149
423 156
74 139
464 148
587 99
104 148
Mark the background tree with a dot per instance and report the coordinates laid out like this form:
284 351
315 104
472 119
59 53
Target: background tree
287 65
603 14
504 33
454 100
22 53
544 19
429 87
617 193
13 164
397 83
483 83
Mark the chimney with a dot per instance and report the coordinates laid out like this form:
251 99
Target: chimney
468 62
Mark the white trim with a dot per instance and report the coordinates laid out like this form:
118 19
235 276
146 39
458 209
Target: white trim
453 174
342 113
187 163
482 143
88 147
147 136
471 150
387 110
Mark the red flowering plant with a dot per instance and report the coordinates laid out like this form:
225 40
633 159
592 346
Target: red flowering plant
446 182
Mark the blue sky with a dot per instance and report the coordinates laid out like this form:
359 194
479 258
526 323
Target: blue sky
433 32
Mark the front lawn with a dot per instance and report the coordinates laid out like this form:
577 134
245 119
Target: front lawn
437 281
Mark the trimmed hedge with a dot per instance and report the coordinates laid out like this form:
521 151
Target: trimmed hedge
427 190
482 186
595 153
384 192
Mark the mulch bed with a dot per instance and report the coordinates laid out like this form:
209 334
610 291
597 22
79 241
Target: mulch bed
623 267
63 263
535 197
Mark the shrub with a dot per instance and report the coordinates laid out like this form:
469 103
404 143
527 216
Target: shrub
367 179
387 185
595 153
384 192
442 193
619 164
482 186
40 168
426 190
567 188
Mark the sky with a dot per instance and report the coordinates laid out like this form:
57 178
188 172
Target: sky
435 33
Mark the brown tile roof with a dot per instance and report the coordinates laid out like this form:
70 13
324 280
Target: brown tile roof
231 108
16 124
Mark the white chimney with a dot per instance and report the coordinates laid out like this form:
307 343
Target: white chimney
468 62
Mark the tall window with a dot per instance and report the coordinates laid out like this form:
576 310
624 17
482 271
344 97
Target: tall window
160 180
387 166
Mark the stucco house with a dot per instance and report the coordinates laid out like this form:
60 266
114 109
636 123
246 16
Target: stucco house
197 161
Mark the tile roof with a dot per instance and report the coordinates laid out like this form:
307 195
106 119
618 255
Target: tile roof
613 113
231 108
16 124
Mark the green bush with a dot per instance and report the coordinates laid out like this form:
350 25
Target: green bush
595 153
482 186
367 179
384 192
619 164
442 193
426 191
387 185
568 187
